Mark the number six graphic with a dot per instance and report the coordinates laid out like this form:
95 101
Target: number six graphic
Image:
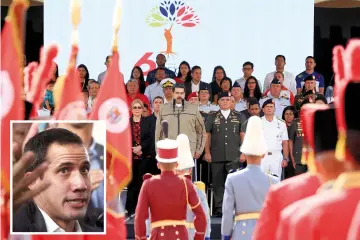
144 60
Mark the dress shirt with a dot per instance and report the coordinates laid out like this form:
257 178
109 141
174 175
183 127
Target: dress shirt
154 90
240 105
289 81
225 113
51 226
195 87
274 132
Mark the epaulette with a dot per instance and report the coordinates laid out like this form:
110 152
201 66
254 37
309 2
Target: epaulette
264 97
200 185
147 176
237 112
233 170
280 119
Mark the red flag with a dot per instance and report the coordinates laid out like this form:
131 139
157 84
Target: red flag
69 102
111 105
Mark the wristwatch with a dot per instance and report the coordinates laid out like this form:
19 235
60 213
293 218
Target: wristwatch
287 159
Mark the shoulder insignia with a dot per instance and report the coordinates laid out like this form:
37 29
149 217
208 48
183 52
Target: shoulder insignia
280 119
147 176
187 176
200 185
300 75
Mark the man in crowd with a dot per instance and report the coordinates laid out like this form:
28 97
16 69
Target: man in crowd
284 90
167 85
205 106
160 61
185 118
195 83
276 136
155 89
193 98
280 99
237 93
248 69
310 65
102 75
289 79
94 88
246 200
96 155
308 91
252 109
222 146
62 206
132 87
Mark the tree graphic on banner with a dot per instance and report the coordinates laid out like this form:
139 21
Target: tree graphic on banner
170 13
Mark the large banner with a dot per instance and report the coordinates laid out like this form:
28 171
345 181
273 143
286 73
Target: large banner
203 32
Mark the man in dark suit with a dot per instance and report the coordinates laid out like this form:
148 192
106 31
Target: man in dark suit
196 84
61 207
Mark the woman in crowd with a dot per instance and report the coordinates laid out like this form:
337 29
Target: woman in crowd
136 123
252 88
218 75
225 86
137 73
184 73
289 114
84 76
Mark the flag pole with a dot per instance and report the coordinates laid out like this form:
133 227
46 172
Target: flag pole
116 24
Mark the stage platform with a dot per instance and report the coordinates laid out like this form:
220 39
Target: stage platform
215 229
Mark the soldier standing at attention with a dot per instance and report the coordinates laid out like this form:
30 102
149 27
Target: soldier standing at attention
308 91
245 190
222 146
168 196
276 137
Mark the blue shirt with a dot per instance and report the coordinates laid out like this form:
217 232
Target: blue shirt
49 97
151 75
319 80
153 91
96 154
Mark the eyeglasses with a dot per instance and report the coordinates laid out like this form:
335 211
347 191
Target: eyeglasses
137 108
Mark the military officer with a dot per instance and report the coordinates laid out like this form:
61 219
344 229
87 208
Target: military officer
308 92
245 190
276 136
167 85
222 146
240 102
205 105
167 196
281 98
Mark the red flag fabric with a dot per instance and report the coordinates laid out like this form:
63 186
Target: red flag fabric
111 105
71 105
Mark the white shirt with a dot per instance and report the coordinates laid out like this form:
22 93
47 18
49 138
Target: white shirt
154 90
289 81
51 226
280 103
225 113
195 87
275 132
242 82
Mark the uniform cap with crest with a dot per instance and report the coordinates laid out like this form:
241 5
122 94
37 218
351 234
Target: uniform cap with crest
204 87
310 78
223 94
185 158
275 81
254 140
236 84
269 101
167 82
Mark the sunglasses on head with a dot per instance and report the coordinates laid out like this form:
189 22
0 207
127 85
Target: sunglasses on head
139 107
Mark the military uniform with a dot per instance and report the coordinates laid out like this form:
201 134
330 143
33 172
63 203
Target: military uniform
245 190
280 103
354 232
225 154
296 135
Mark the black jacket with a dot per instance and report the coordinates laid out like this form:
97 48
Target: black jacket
28 218
148 138
145 135
188 90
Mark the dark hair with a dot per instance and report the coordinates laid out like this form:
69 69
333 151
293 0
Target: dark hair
194 68
57 71
87 76
188 75
107 57
282 56
141 78
40 143
352 144
226 79
253 101
215 69
257 91
310 57
158 97
321 98
292 108
248 63
160 68
178 85
146 106
50 82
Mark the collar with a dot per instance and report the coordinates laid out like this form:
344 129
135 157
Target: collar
253 166
92 146
207 104
167 173
192 83
51 226
348 180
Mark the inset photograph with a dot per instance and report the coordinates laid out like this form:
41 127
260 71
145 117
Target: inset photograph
58 184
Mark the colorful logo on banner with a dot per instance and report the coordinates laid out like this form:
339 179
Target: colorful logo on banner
168 14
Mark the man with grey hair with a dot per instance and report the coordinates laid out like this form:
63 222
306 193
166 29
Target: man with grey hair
132 89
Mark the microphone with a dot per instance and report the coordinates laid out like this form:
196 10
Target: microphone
174 102
165 128
183 104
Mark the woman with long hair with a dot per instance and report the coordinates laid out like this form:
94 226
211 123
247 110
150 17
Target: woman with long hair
184 73
218 75
138 74
84 76
252 88
289 114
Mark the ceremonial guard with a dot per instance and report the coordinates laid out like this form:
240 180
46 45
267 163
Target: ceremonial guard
354 232
168 197
320 137
316 220
245 190
222 146
280 97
